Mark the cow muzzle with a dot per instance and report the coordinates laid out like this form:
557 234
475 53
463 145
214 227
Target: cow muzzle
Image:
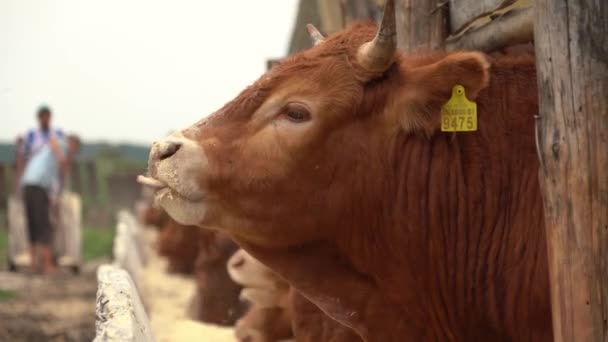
175 165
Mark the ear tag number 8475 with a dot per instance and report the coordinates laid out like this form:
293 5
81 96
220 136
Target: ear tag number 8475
459 114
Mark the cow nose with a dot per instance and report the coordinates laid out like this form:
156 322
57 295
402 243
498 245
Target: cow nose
167 149
246 338
238 262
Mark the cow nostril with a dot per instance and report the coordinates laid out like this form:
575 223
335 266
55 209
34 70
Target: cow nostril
169 149
238 262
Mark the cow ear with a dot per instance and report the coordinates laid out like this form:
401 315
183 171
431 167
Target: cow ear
427 88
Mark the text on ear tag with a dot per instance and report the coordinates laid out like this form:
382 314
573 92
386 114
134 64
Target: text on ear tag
459 114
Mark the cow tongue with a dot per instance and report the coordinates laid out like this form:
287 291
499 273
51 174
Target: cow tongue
151 182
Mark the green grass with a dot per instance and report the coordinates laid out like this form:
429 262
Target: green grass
7 294
97 243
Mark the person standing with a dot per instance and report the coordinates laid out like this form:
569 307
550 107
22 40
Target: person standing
40 163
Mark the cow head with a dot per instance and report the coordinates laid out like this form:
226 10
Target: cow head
293 154
261 286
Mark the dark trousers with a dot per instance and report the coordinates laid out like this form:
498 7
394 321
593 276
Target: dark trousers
37 211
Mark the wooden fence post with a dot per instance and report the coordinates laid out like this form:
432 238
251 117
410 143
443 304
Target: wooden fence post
4 188
360 10
75 178
421 24
91 170
572 65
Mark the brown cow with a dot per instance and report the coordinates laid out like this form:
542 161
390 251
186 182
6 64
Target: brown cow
264 324
277 309
333 171
180 244
155 217
217 294
177 242
260 284
270 316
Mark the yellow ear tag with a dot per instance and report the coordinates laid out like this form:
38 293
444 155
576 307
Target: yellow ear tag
459 114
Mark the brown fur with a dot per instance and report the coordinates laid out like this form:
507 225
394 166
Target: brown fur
218 294
155 217
261 324
180 244
387 225
310 324
276 318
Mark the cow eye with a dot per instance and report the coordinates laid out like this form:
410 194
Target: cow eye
297 113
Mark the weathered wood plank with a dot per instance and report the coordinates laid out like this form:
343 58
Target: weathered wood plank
360 10
75 178
330 12
463 12
513 27
421 24
3 188
571 42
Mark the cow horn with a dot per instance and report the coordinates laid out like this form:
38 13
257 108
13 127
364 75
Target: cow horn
315 35
378 54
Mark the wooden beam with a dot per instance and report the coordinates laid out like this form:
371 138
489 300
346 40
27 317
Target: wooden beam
330 12
4 192
75 178
462 12
513 27
571 42
91 170
360 10
421 24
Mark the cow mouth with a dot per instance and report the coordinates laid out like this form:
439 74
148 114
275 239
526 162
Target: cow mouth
151 182
184 206
162 189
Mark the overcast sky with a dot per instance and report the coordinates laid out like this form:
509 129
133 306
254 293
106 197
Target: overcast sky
132 70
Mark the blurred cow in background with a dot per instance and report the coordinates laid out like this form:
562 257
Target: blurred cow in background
217 296
270 317
278 311
180 245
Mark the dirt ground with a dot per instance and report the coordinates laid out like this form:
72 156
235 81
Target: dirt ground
63 308
58 309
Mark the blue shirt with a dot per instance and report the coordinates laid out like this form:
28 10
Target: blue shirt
42 168
36 138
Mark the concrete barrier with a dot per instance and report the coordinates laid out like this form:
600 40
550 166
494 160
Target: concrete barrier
125 252
119 309
137 233
137 302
